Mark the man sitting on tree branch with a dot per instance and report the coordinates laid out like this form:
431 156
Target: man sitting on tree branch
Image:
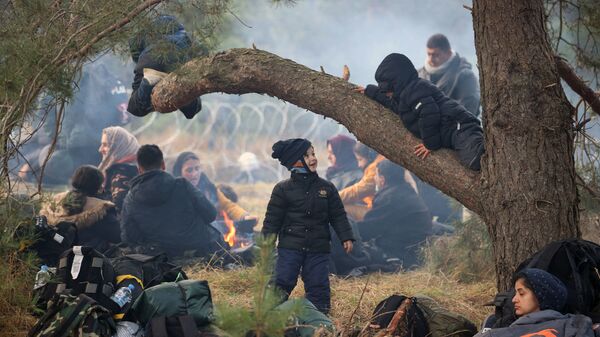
426 112
157 52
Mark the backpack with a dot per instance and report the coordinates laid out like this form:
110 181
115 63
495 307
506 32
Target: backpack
72 315
575 262
398 315
83 270
176 326
143 271
442 322
149 270
50 241
175 299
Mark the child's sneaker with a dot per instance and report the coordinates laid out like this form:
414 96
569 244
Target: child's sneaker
153 76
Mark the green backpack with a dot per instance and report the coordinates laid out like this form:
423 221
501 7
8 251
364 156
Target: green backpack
173 299
443 323
70 315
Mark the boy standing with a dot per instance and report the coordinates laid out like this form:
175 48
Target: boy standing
299 213
426 112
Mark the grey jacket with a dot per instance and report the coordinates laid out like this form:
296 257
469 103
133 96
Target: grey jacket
545 323
457 82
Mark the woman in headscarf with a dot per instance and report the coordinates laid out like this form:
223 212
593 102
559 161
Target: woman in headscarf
344 170
118 148
187 165
95 219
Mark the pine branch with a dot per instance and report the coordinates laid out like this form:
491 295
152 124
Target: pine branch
577 84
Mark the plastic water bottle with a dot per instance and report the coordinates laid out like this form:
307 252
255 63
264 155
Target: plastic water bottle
123 295
42 277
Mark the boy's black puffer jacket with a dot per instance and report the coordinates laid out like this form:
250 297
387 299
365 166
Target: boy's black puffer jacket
300 211
424 109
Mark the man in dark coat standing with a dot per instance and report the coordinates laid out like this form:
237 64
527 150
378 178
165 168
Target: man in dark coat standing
451 73
165 212
399 220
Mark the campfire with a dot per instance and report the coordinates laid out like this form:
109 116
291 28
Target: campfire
238 239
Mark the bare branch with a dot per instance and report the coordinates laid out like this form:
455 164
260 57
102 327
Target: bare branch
577 84
130 16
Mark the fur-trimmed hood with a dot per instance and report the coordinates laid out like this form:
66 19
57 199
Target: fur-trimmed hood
94 210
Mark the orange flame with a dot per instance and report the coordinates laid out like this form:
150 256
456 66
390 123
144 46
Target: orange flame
230 236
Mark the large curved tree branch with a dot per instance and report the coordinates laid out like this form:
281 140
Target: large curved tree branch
241 71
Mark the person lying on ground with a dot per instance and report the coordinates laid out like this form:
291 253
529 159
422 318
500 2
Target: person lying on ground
426 112
300 211
343 170
118 148
399 221
157 51
539 299
165 212
187 165
95 219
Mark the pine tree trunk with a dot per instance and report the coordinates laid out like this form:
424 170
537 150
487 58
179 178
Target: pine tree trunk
528 174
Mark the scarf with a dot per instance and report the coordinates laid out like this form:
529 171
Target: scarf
123 147
441 68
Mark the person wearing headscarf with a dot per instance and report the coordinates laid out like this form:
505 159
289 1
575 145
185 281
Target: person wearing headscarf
300 213
344 170
95 219
187 165
118 148
539 299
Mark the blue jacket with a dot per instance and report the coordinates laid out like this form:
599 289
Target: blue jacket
545 323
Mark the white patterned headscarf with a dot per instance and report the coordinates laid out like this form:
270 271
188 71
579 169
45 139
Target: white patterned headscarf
122 144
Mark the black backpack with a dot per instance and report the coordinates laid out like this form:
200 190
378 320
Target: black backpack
50 241
400 316
83 270
575 262
142 272
150 270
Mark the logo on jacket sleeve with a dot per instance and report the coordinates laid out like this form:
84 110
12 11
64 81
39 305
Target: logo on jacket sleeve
322 193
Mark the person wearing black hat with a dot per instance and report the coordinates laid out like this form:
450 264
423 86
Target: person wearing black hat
430 115
299 214
539 299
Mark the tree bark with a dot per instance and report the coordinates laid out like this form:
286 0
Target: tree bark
529 174
240 71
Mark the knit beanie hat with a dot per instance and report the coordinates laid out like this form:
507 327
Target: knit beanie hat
549 290
289 151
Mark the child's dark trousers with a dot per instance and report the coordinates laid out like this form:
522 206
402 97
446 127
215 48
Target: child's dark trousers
314 269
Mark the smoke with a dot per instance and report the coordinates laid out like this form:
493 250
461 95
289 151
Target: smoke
357 33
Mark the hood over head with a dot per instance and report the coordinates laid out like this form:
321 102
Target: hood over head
395 72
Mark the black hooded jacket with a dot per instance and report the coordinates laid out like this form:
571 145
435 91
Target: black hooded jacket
300 211
398 222
424 109
166 212
163 48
